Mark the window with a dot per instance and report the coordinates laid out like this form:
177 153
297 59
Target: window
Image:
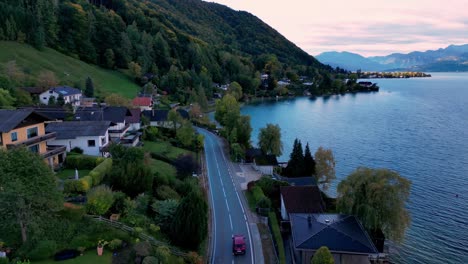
32 132
14 136
34 148
91 143
45 98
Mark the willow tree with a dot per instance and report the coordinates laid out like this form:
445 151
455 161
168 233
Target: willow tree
378 198
269 140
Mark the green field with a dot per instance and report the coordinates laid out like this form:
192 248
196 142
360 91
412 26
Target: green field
69 71
70 174
165 149
163 168
89 257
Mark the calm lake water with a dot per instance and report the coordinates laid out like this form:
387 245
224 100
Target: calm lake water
417 127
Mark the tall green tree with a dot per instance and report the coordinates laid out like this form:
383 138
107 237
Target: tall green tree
322 256
378 197
6 100
235 89
295 167
175 118
309 162
269 140
89 89
191 218
324 167
60 100
28 193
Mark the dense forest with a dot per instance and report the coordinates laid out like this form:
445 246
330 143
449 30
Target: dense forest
183 46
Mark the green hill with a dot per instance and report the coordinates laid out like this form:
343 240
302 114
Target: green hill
69 71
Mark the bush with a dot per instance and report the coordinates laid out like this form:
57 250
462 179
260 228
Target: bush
121 204
88 180
165 192
82 241
264 203
101 170
100 200
44 249
323 256
260 199
81 162
115 244
77 150
75 186
277 236
4 261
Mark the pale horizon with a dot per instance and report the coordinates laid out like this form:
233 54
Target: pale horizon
369 28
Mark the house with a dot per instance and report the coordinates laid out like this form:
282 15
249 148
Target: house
365 84
91 136
344 236
24 127
134 121
115 114
88 101
51 112
297 181
70 95
261 162
300 200
159 118
144 103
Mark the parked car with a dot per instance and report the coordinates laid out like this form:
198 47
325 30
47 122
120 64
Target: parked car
238 245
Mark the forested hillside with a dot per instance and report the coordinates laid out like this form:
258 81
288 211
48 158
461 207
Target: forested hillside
186 45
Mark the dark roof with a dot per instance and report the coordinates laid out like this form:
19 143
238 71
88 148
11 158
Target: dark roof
340 233
10 119
136 116
115 114
302 199
161 115
51 112
74 129
298 181
65 90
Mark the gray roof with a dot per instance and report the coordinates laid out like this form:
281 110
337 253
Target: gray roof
66 90
74 129
302 199
340 233
9 119
115 114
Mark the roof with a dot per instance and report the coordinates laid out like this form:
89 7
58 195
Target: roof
135 117
260 158
340 233
74 129
161 115
115 114
66 90
302 199
298 181
142 101
51 112
10 119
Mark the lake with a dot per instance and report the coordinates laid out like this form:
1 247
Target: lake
417 127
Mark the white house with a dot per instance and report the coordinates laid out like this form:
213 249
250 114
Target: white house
70 95
115 114
134 121
90 136
159 118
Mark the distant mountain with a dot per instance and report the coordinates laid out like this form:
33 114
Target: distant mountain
452 58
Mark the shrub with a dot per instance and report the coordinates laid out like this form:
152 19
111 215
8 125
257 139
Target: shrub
75 186
151 260
100 199
4 261
72 212
101 170
260 199
323 256
82 241
165 211
77 150
88 180
121 204
277 236
115 244
194 258
44 249
81 162
165 192
264 203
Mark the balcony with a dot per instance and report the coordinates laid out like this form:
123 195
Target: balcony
119 131
33 140
53 150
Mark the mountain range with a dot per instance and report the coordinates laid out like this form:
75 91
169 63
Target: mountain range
451 58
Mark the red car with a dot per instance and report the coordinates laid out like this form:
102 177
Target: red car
238 245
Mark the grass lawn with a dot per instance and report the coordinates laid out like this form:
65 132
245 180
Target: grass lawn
67 69
163 168
165 149
89 257
70 174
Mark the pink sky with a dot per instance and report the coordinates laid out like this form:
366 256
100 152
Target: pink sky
367 27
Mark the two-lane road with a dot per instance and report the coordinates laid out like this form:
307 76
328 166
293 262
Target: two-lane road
229 216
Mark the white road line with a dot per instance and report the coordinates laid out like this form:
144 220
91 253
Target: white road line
230 221
214 212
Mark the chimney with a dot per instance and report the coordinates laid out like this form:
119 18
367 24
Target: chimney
309 220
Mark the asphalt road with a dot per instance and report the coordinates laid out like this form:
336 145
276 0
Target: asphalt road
228 213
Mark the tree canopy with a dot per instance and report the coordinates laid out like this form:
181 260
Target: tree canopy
378 198
269 140
324 167
322 256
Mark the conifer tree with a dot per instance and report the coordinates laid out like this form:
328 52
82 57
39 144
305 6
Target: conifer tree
89 90
309 162
295 166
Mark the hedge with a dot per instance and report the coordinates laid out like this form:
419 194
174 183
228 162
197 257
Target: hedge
259 196
75 186
101 170
277 237
82 162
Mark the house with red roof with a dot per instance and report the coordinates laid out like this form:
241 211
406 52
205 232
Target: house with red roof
144 103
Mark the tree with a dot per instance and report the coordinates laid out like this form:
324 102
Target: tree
99 200
378 198
109 59
324 167
89 90
6 100
185 166
165 211
174 117
60 100
309 161
46 79
52 100
295 167
235 89
227 111
191 218
269 140
186 134
135 69
322 256
130 171
28 193
117 100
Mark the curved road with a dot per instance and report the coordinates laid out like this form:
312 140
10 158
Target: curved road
229 216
